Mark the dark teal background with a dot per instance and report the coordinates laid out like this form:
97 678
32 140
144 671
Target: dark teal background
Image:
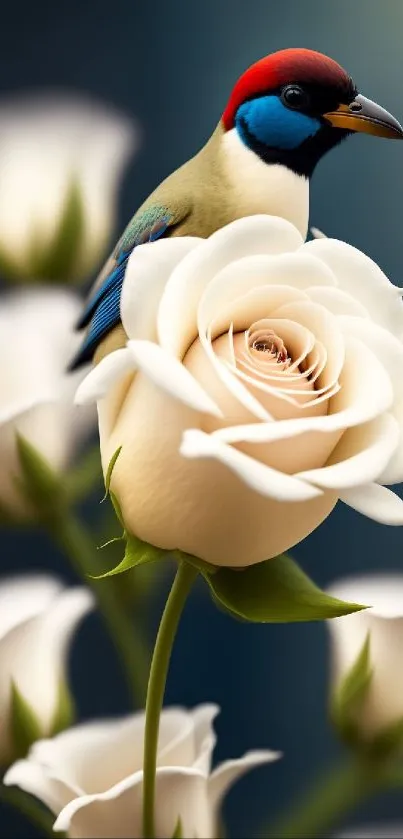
172 65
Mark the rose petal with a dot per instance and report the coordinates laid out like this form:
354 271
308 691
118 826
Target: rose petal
393 472
390 352
337 302
376 502
116 813
35 390
325 328
170 375
360 457
230 771
241 277
359 276
254 235
388 349
101 378
148 270
92 757
259 477
35 780
24 597
199 525
365 393
204 736
244 309
34 653
210 370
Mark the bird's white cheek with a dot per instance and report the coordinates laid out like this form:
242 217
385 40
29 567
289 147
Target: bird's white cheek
196 505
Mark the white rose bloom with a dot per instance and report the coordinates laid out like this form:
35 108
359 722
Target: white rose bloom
91 776
262 381
47 144
383 623
36 393
38 617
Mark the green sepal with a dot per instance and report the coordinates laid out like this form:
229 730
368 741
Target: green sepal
25 726
82 478
11 271
348 699
57 261
346 707
178 832
116 507
65 714
39 483
205 568
109 471
136 553
388 742
275 591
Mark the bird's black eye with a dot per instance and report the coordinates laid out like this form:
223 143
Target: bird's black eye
293 96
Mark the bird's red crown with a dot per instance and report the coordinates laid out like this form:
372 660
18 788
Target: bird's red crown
284 67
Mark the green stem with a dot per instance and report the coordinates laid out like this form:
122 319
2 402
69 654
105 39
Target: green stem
30 808
74 541
185 576
331 798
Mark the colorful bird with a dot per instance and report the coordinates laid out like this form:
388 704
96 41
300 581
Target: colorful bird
284 113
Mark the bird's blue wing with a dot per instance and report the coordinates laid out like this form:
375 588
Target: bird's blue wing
102 312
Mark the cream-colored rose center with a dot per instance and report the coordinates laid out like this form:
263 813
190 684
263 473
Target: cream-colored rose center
279 362
267 341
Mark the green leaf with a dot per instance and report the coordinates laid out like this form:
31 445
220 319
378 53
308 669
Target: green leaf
40 484
350 695
136 553
109 471
57 261
178 832
275 591
65 711
26 728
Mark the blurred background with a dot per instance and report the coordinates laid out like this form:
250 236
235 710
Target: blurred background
170 67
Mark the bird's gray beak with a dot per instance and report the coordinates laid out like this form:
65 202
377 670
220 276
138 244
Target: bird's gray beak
366 116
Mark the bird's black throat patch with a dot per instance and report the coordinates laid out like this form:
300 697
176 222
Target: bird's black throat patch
303 159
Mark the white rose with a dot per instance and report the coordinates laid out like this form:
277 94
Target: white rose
383 625
47 144
262 381
36 393
91 776
38 617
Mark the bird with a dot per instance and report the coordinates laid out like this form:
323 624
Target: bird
284 113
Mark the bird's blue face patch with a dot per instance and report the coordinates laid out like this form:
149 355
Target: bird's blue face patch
273 124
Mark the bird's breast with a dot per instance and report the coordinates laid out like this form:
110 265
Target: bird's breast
258 187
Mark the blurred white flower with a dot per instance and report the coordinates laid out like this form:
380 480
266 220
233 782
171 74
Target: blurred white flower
38 617
382 704
36 393
55 150
91 776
